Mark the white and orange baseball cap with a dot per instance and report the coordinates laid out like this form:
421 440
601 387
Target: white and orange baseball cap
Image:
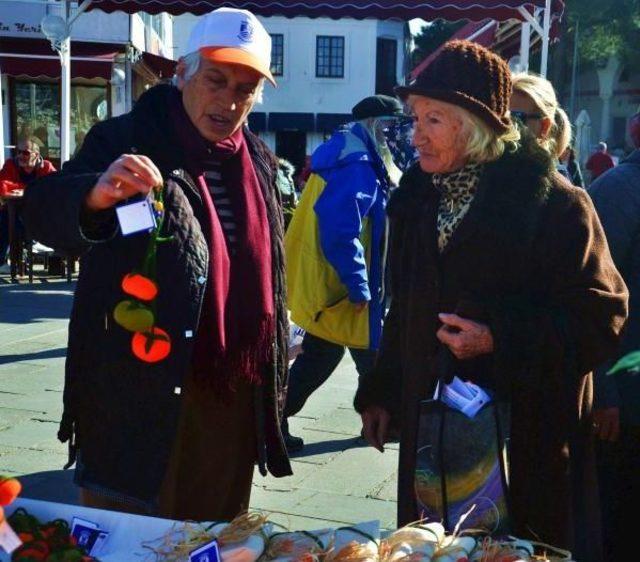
232 36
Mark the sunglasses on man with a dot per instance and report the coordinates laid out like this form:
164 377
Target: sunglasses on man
523 116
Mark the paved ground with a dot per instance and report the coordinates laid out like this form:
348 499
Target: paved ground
336 481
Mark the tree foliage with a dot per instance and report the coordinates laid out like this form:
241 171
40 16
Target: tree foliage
430 37
607 28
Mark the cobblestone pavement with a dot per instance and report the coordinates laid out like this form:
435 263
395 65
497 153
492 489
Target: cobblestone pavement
337 480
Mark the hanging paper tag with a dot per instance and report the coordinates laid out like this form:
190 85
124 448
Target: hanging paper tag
9 541
136 217
208 552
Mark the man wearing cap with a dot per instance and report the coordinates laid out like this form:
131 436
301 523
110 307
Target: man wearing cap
335 248
177 438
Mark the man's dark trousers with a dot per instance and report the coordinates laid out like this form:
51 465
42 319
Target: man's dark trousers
315 365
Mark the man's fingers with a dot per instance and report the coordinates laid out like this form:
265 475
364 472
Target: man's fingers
125 184
142 167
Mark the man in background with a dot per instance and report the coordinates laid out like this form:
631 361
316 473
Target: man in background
16 174
335 248
600 161
616 196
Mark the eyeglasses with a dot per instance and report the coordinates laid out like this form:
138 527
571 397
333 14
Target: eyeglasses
25 152
523 116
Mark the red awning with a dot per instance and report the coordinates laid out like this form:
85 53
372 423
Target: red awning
483 32
35 57
164 68
475 10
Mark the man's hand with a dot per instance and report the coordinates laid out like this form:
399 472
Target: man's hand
375 426
606 424
127 176
465 338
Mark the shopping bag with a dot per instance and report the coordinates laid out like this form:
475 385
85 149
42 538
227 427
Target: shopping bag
462 465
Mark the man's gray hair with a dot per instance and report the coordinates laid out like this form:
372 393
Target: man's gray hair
192 63
602 146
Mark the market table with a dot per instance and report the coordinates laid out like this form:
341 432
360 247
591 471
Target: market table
127 532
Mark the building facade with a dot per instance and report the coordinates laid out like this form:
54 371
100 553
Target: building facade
323 68
114 58
610 94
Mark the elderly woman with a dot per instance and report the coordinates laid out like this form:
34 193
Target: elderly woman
501 264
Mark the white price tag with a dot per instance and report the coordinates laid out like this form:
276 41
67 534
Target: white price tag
9 541
136 217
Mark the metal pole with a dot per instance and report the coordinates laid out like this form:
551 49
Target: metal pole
525 40
128 84
65 99
546 29
574 73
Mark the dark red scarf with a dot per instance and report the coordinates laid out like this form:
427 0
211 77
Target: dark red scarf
237 323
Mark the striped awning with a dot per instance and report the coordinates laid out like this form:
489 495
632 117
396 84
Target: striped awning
35 58
475 10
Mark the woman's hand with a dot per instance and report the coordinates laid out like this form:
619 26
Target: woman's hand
375 426
465 338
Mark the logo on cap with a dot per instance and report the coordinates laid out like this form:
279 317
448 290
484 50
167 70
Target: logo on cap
246 31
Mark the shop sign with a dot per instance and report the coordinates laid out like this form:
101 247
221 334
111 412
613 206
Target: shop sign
21 19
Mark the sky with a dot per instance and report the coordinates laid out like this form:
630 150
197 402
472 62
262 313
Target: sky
415 25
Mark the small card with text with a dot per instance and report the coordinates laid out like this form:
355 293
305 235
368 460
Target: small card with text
209 552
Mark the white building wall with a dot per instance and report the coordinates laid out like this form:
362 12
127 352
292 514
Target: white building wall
624 103
299 90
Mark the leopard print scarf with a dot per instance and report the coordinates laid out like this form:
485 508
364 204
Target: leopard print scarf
457 191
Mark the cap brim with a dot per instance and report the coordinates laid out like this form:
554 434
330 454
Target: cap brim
231 55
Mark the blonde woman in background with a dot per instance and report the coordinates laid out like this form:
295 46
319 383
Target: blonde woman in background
535 104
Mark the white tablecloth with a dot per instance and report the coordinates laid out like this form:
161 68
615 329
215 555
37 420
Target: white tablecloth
127 532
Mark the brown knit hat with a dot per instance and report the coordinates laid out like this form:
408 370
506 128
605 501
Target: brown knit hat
470 76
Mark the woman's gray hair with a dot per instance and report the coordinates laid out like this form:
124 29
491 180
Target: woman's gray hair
482 143
192 63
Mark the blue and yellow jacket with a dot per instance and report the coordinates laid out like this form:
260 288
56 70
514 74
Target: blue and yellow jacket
336 241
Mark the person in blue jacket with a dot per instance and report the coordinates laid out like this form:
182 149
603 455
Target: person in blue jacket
336 247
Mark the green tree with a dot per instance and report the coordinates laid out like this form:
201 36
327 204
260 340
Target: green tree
431 36
610 28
